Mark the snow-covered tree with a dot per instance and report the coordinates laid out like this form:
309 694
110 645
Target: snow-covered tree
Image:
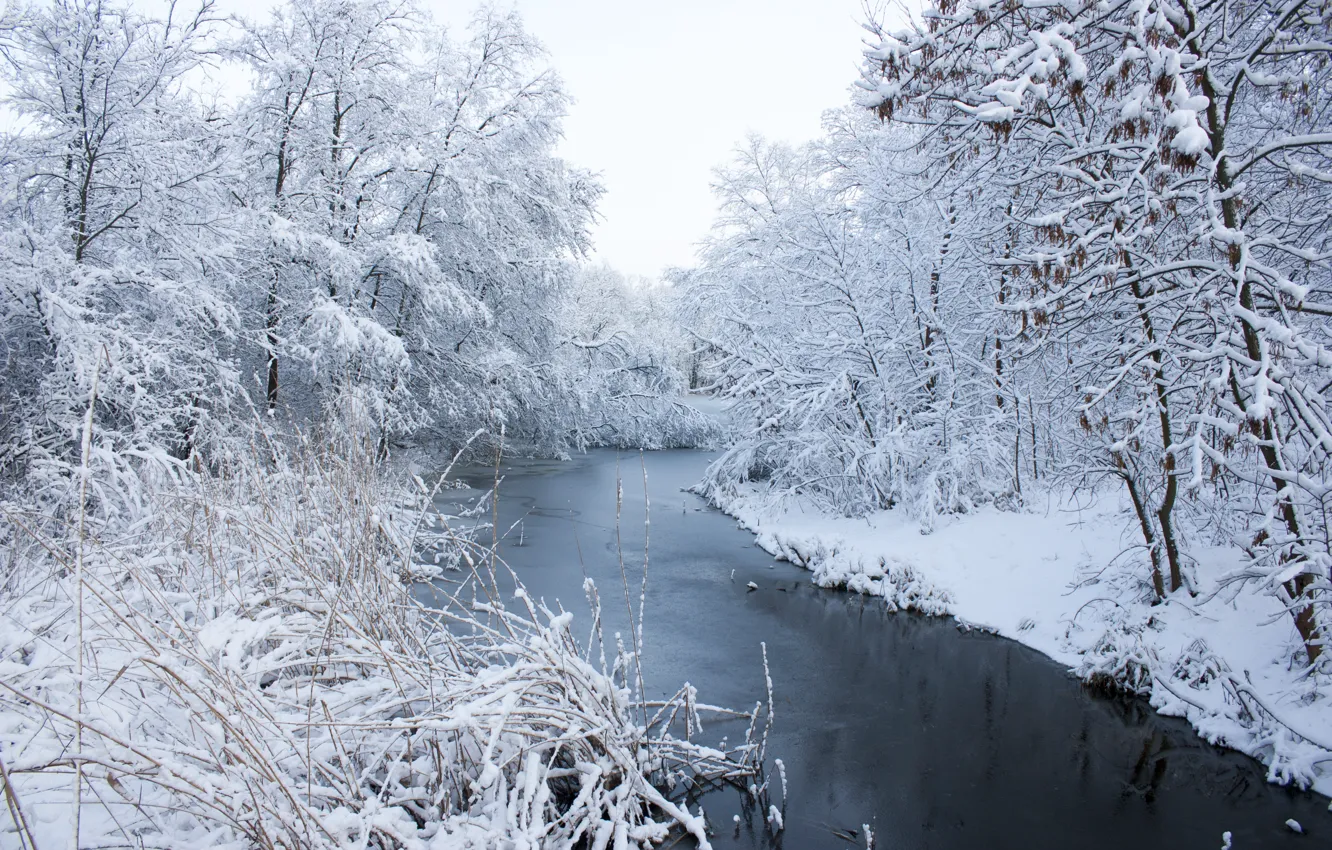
114 254
851 347
418 223
622 363
1168 162
376 235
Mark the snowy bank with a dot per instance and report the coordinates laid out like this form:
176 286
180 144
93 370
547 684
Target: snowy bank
1063 580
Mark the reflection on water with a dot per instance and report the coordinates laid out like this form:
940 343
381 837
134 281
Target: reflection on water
934 737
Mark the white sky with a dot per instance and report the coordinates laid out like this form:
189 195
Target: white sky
666 90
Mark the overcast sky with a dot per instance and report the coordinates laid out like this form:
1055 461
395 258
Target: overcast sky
666 90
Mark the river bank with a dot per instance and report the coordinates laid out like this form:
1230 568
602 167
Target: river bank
1060 578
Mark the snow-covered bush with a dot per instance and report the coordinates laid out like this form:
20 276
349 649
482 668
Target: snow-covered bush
241 661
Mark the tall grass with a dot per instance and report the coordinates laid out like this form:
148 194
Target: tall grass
257 672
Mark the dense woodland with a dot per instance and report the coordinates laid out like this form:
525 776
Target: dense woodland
342 214
1054 243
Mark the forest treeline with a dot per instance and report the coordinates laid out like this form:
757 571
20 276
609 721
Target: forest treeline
1053 243
342 213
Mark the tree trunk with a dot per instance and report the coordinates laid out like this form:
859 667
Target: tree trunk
1145 521
1263 432
271 317
1165 511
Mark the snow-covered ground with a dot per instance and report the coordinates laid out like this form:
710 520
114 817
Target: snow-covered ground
1062 578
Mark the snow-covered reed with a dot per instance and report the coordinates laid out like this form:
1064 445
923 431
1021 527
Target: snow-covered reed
257 672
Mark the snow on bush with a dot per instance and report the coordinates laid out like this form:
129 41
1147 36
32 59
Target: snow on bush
244 664
836 565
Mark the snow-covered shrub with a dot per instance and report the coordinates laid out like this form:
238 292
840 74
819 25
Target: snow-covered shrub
241 661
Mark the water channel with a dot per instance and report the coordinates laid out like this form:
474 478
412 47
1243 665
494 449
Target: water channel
935 737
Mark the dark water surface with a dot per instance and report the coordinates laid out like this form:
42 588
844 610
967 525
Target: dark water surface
934 737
